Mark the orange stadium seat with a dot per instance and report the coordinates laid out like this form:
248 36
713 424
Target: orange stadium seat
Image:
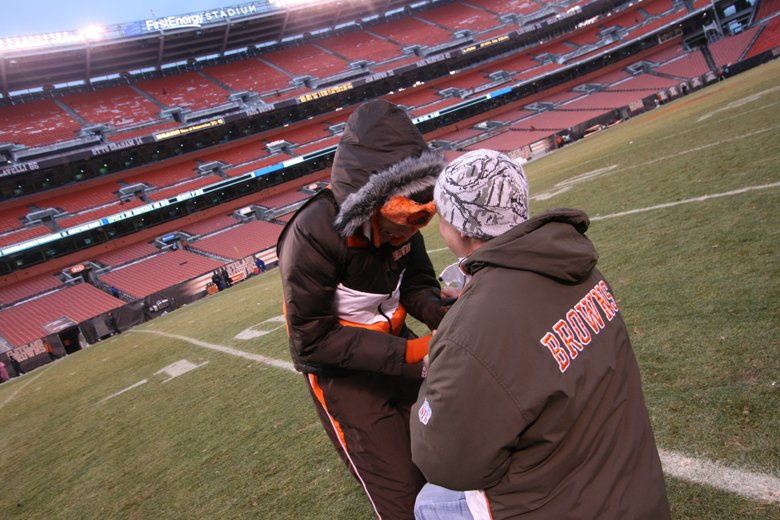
188 90
410 31
159 272
126 254
769 38
184 188
250 75
241 241
28 288
458 17
165 175
23 323
359 45
24 235
556 120
37 123
210 225
306 60
729 50
119 107
687 67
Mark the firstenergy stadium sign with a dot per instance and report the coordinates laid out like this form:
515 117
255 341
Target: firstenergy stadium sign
197 19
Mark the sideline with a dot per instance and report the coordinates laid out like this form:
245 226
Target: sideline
688 201
747 484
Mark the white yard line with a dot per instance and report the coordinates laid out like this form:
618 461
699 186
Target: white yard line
688 201
226 350
123 391
32 378
745 483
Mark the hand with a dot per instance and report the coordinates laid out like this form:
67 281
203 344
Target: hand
425 362
449 292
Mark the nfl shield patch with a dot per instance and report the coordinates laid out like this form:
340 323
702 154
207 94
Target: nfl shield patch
425 412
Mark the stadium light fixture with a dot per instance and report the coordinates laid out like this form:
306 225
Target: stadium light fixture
46 40
290 3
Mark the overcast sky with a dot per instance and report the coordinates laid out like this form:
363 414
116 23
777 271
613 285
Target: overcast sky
21 18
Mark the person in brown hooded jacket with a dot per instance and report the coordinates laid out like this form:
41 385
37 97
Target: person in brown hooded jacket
352 265
533 405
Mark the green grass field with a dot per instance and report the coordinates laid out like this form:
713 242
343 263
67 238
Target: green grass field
105 434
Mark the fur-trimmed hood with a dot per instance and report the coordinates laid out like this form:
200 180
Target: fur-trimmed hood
380 155
413 178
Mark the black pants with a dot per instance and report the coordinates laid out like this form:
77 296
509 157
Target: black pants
366 417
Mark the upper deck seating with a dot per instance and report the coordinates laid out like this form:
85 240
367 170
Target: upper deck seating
126 254
359 45
555 120
600 50
559 49
37 123
665 55
83 199
728 50
410 31
460 135
119 107
303 133
9 218
688 67
701 4
321 145
585 37
533 73
561 97
282 199
23 323
516 64
238 154
250 75
418 97
657 24
610 77
605 100
457 17
24 289
23 235
257 165
769 39
657 7
189 90
644 82
767 8
210 225
159 272
307 60
106 211
165 174
466 81
394 64
184 188
512 115
523 7
436 106
149 130
623 19
511 140
241 241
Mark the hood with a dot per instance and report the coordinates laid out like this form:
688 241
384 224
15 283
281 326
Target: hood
377 135
552 244
380 156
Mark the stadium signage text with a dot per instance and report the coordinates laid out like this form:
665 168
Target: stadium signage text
189 129
30 350
13 170
324 93
198 19
485 44
100 150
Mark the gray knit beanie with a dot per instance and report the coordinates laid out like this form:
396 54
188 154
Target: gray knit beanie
483 194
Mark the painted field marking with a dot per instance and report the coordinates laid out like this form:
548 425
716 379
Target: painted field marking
123 391
251 333
688 201
744 483
32 378
226 350
179 368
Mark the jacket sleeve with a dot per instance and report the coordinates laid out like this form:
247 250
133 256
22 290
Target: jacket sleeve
472 425
420 289
311 254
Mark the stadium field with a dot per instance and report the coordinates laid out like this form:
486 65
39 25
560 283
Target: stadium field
199 414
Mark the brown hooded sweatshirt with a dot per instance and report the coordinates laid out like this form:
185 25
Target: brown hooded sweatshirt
533 391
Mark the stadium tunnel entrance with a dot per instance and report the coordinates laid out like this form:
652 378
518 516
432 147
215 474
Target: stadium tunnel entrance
69 339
